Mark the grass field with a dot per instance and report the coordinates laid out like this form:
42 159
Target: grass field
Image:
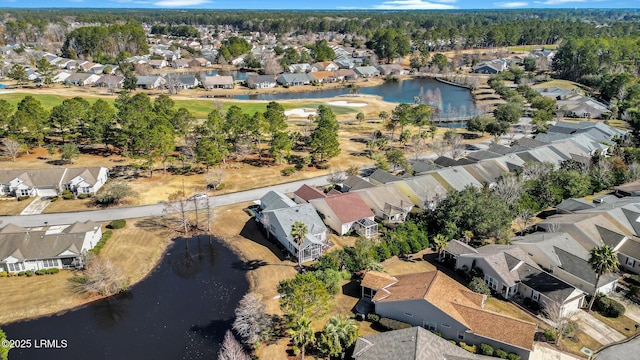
525 48
562 84
200 108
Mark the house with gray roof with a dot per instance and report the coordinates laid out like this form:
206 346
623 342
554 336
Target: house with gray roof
387 202
182 81
414 343
261 82
277 215
61 247
487 172
571 206
354 182
511 272
455 178
150 82
366 71
297 79
491 67
379 177
424 191
218 82
50 182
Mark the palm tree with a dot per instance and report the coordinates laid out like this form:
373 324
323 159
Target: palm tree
299 231
603 261
338 335
440 242
301 334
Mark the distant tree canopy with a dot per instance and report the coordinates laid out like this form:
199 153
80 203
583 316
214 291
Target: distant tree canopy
175 30
389 43
236 46
321 51
108 40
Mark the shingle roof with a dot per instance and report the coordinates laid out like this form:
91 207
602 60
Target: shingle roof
410 344
348 207
631 247
572 205
545 283
356 183
306 193
304 213
377 280
421 166
461 304
275 200
383 176
456 177
581 268
456 247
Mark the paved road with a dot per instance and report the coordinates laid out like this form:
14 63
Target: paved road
150 210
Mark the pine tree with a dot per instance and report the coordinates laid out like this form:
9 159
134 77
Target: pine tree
324 138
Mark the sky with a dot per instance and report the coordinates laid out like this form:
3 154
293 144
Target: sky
326 4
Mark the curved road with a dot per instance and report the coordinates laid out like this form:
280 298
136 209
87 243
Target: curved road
151 210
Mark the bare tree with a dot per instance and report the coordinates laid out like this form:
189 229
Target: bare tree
101 277
633 171
558 315
509 187
271 64
251 323
439 147
215 178
456 147
418 145
175 215
12 148
524 218
231 349
336 177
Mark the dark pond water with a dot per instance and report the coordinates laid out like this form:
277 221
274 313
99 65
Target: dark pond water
181 311
452 99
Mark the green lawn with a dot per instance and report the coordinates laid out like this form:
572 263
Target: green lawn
200 108
531 47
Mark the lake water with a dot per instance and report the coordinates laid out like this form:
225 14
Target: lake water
454 100
181 311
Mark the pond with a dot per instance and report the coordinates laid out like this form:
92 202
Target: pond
454 101
181 311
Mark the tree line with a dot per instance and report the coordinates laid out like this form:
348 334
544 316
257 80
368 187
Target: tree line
149 129
109 40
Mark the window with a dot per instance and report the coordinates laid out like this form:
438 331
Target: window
460 335
49 263
491 282
16 267
408 314
429 326
631 262
445 325
535 296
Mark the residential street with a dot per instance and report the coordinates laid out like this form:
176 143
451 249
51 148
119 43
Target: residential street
150 210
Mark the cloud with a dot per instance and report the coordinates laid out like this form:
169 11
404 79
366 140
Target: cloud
559 2
179 3
511 4
415 5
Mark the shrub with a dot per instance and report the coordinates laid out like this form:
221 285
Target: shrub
103 240
117 224
633 279
67 195
322 166
20 198
469 348
41 272
608 307
634 294
288 171
373 317
478 285
486 349
513 356
4 274
84 196
393 324
501 354
28 273
550 335
54 199
220 187
21 273
53 271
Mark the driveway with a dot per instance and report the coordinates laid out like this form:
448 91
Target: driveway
152 210
37 206
598 330
543 352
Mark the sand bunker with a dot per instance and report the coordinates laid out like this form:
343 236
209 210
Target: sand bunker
300 112
346 103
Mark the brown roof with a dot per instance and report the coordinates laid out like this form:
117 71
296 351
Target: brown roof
323 74
306 193
461 304
377 280
349 207
499 327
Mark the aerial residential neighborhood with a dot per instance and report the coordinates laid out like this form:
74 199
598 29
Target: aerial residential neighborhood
393 179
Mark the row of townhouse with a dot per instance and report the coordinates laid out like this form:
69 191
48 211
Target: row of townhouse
54 247
390 198
50 182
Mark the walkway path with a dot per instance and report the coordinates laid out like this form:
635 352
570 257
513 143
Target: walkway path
542 352
151 210
598 330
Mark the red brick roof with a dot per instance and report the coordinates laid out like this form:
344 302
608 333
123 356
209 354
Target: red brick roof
307 193
349 207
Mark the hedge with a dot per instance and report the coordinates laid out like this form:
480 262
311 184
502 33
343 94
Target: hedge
103 240
608 307
117 224
47 271
486 349
501 354
469 348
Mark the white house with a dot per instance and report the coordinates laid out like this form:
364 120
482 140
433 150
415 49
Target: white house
55 247
50 182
